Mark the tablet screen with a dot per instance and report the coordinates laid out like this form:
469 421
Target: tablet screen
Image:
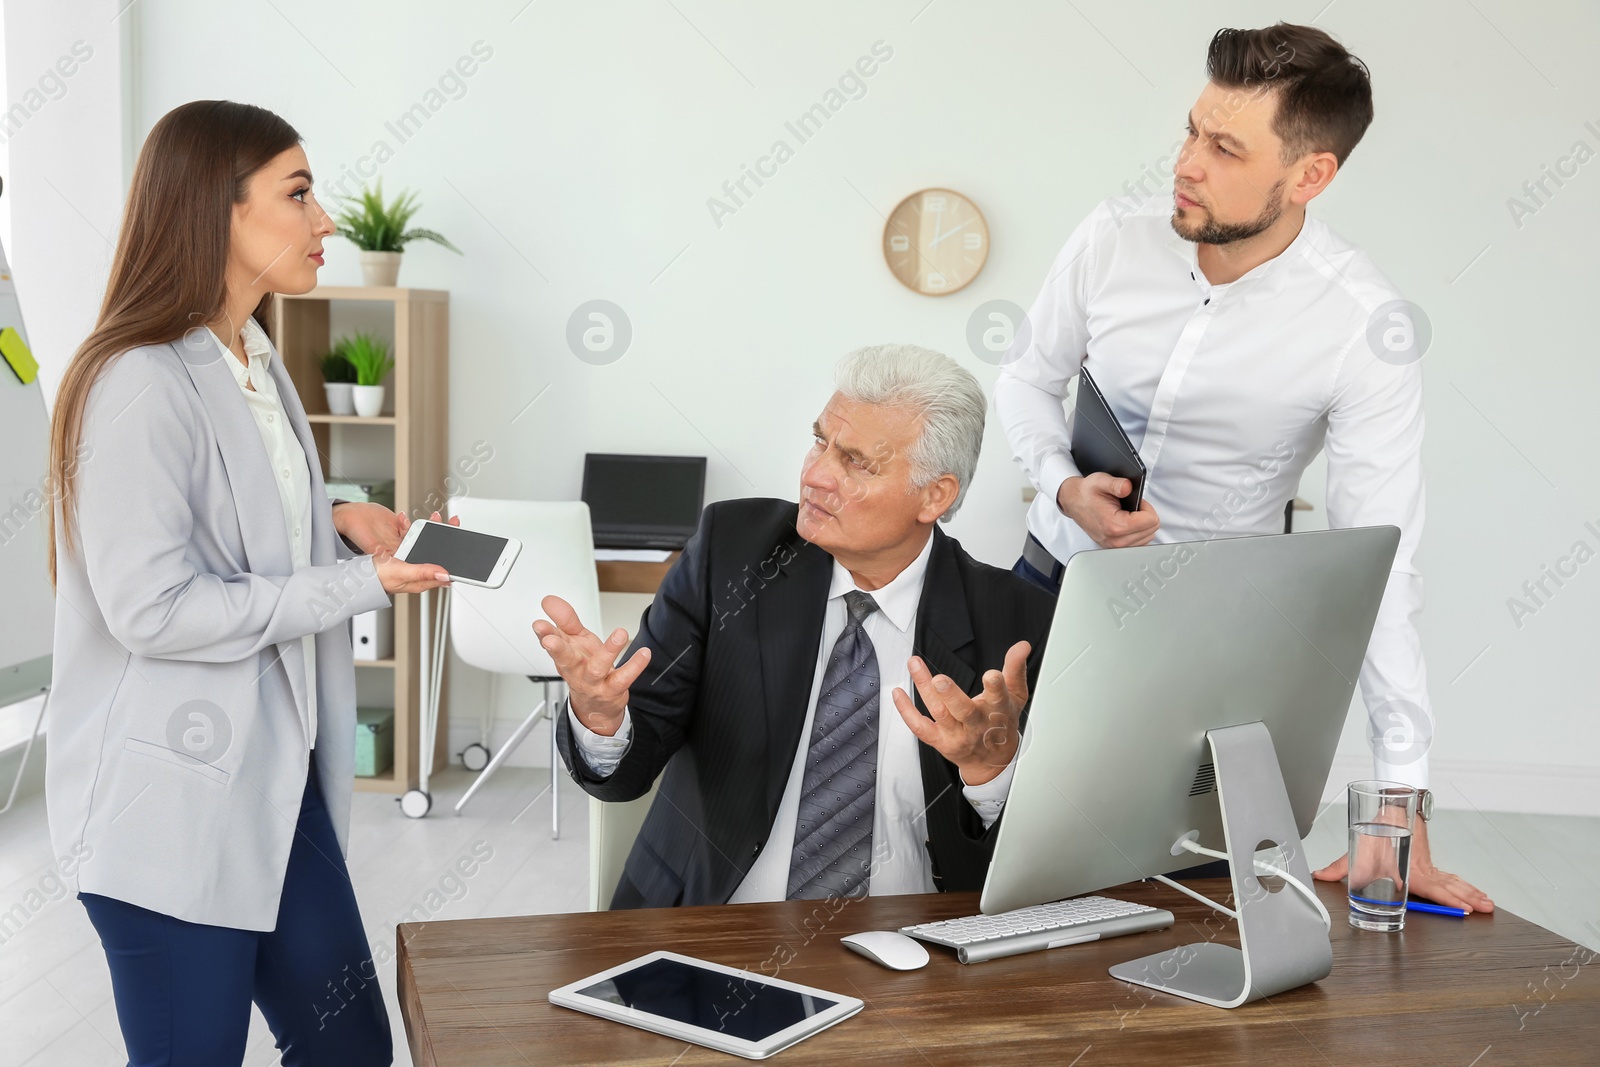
465 552
745 1008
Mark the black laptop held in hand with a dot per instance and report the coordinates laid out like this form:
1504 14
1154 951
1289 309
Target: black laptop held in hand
1100 445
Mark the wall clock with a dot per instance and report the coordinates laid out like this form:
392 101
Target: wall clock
935 241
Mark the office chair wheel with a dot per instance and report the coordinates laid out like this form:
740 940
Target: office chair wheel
414 804
474 757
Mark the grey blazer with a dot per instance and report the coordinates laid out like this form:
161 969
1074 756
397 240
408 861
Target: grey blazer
177 744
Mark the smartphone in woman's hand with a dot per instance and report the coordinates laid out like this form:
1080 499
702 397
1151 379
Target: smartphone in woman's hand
469 556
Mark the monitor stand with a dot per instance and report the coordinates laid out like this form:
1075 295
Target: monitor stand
1282 940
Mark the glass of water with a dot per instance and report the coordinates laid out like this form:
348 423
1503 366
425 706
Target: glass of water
1381 817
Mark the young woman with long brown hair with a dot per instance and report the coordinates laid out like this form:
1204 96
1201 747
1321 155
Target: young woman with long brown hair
203 708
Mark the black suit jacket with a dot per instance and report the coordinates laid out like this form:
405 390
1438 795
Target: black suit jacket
733 634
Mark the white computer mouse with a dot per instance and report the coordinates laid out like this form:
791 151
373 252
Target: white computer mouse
894 950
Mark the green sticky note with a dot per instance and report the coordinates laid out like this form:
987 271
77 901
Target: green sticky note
15 349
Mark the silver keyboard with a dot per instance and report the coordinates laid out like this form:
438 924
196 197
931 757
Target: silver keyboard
1066 922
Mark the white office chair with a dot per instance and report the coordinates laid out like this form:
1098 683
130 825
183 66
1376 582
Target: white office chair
492 629
613 827
612 830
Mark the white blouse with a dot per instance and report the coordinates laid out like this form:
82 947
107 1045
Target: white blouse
289 464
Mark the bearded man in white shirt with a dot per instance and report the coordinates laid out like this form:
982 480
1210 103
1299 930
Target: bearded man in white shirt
1235 337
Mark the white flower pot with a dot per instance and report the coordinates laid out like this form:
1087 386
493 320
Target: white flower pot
380 268
369 400
341 400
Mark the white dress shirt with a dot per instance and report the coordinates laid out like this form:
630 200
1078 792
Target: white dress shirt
899 814
288 460
1229 391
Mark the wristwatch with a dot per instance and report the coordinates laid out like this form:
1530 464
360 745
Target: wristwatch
1425 804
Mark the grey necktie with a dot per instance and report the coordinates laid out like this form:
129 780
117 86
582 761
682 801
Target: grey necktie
833 828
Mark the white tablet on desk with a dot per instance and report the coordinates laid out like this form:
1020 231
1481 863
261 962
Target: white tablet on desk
724 1008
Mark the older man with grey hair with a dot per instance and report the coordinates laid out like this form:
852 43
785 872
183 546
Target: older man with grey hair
834 688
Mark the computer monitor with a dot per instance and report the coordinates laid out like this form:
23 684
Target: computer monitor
643 501
1156 655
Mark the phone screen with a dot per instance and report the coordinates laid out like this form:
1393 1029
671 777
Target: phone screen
466 553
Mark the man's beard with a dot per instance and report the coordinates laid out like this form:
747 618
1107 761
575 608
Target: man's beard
1222 233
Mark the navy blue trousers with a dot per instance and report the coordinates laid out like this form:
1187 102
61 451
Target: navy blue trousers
183 990
1031 574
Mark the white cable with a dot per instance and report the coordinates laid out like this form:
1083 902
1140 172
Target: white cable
1304 890
1194 846
1180 887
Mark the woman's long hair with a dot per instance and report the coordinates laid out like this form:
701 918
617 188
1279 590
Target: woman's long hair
168 274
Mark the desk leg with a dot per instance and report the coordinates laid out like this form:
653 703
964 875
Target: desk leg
555 707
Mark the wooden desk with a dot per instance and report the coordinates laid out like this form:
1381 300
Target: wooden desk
1446 991
632 576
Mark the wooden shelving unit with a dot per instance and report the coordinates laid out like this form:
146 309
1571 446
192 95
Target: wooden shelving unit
350 420
417 405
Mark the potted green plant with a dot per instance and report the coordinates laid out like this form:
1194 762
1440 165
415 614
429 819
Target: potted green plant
338 381
379 230
369 355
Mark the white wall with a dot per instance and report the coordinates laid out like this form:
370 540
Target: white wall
578 161
64 182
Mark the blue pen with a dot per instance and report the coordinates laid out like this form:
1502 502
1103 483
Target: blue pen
1435 909
1417 905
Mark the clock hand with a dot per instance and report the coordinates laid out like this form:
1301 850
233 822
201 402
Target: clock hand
937 237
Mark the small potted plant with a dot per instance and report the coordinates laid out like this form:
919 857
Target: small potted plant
338 381
379 230
369 355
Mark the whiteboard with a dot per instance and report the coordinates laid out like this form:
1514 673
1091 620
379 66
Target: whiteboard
27 603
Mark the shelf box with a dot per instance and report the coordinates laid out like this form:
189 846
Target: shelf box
374 741
372 635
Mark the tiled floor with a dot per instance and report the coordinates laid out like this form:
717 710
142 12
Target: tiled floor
55 992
